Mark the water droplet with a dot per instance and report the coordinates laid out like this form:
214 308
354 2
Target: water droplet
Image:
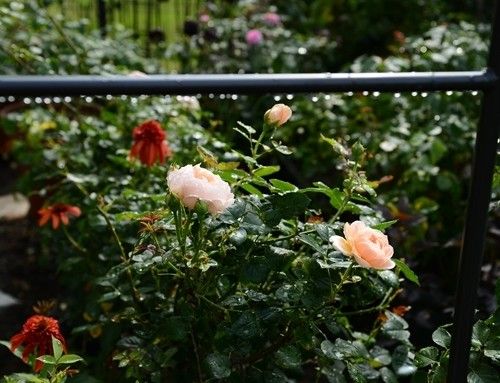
38 100
397 95
414 94
27 101
424 94
67 99
376 94
11 99
277 98
449 93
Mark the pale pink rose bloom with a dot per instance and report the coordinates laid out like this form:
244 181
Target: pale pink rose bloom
369 247
194 183
272 18
278 114
204 18
254 37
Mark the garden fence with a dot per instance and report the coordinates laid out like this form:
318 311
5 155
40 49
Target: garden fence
487 81
152 21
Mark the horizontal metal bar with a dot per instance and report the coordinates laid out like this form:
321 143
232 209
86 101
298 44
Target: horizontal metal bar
72 85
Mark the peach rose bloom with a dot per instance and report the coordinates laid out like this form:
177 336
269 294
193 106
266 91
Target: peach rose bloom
369 247
278 114
194 183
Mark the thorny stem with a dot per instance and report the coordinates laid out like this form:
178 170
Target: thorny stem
123 256
73 242
198 364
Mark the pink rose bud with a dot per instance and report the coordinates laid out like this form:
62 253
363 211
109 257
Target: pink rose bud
369 247
272 19
254 37
193 183
278 115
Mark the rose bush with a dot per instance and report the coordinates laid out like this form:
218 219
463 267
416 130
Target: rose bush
222 271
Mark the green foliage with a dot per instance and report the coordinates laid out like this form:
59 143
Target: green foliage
484 356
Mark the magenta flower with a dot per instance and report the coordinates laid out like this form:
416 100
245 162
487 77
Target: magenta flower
254 37
272 19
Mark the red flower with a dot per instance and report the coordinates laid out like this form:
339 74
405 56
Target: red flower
150 144
36 337
59 212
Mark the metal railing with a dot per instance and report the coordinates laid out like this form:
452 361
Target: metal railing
486 143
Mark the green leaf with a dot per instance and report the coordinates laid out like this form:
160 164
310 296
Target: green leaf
337 147
281 148
396 327
248 128
283 185
480 333
407 272
289 357
47 359
57 347
384 225
266 170
442 337
285 206
388 376
70 359
335 195
401 362
251 189
426 357
311 241
483 374
219 365
343 349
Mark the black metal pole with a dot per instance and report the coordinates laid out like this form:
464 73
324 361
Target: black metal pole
29 86
101 16
476 218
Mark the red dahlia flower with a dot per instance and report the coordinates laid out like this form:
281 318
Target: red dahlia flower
59 212
36 337
150 144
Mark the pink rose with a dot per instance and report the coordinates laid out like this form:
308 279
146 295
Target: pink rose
369 247
278 115
254 37
204 18
194 183
272 19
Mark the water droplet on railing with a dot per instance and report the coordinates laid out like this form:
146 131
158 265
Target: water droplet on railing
27 101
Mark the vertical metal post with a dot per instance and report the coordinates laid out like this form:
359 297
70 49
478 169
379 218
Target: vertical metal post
101 16
476 217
